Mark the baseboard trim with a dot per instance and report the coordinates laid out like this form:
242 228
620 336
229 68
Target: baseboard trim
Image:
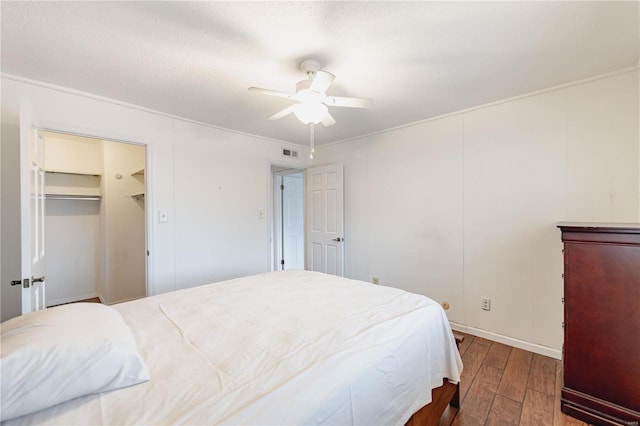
516 343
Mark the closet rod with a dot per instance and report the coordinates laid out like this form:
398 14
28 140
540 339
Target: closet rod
71 197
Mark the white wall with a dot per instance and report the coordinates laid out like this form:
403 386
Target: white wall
209 228
473 197
221 184
466 206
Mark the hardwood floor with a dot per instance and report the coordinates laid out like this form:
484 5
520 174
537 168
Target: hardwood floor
502 385
92 300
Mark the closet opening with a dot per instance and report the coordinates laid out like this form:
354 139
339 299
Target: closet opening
95 219
288 218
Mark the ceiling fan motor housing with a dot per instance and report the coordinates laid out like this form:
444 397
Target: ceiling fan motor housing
310 66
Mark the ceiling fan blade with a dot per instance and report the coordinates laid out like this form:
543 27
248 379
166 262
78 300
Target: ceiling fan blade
321 81
288 110
328 120
270 92
340 101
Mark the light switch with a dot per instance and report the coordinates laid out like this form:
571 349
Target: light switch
163 216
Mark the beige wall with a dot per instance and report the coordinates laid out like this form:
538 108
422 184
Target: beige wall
123 223
72 227
94 247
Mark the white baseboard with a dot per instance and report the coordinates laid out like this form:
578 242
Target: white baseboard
516 343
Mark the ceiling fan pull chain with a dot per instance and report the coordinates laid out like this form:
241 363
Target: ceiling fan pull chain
311 137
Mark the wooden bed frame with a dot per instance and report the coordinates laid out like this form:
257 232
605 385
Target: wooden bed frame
441 397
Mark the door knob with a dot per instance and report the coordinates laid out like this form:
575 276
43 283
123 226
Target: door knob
338 239
37 280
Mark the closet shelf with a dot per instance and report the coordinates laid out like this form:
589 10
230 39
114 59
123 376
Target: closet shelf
72 184
73 197
72 191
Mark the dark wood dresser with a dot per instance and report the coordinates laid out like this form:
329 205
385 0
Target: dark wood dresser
601 354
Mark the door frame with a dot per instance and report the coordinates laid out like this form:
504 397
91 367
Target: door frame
276 170
147 195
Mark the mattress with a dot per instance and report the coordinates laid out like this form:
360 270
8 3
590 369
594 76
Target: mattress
291 347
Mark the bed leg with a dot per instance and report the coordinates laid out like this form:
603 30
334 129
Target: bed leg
455 401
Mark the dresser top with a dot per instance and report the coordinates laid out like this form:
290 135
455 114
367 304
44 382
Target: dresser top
632 228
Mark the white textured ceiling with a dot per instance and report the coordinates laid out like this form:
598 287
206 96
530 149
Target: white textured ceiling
415 59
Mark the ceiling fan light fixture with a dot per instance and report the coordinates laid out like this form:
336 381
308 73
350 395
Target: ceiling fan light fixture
311 95
310 112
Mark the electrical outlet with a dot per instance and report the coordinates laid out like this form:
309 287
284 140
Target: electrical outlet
486 304
375 280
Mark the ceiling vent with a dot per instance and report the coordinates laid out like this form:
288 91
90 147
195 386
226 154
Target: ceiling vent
289 153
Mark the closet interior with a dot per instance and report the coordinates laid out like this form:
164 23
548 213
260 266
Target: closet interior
94 219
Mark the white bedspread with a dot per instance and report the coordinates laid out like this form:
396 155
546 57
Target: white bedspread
291 347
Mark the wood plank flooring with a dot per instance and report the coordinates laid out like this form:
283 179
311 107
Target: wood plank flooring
502 385
92 300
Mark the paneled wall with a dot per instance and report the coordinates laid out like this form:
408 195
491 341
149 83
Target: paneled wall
211 182
221 183
464 207
457 208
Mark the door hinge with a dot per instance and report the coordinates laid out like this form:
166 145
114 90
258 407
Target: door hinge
563 276
147 252
563 300
562 324
281 187
282 262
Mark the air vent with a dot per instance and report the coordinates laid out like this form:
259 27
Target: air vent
289 153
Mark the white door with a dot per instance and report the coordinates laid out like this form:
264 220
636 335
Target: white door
293 221
325 232
31 211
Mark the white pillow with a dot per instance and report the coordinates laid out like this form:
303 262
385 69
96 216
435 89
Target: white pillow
61 353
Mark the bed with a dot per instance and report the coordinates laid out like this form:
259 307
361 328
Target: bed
291 347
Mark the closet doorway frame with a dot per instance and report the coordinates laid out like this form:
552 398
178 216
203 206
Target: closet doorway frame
281 169
148 211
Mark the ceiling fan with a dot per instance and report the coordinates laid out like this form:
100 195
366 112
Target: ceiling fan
312 100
